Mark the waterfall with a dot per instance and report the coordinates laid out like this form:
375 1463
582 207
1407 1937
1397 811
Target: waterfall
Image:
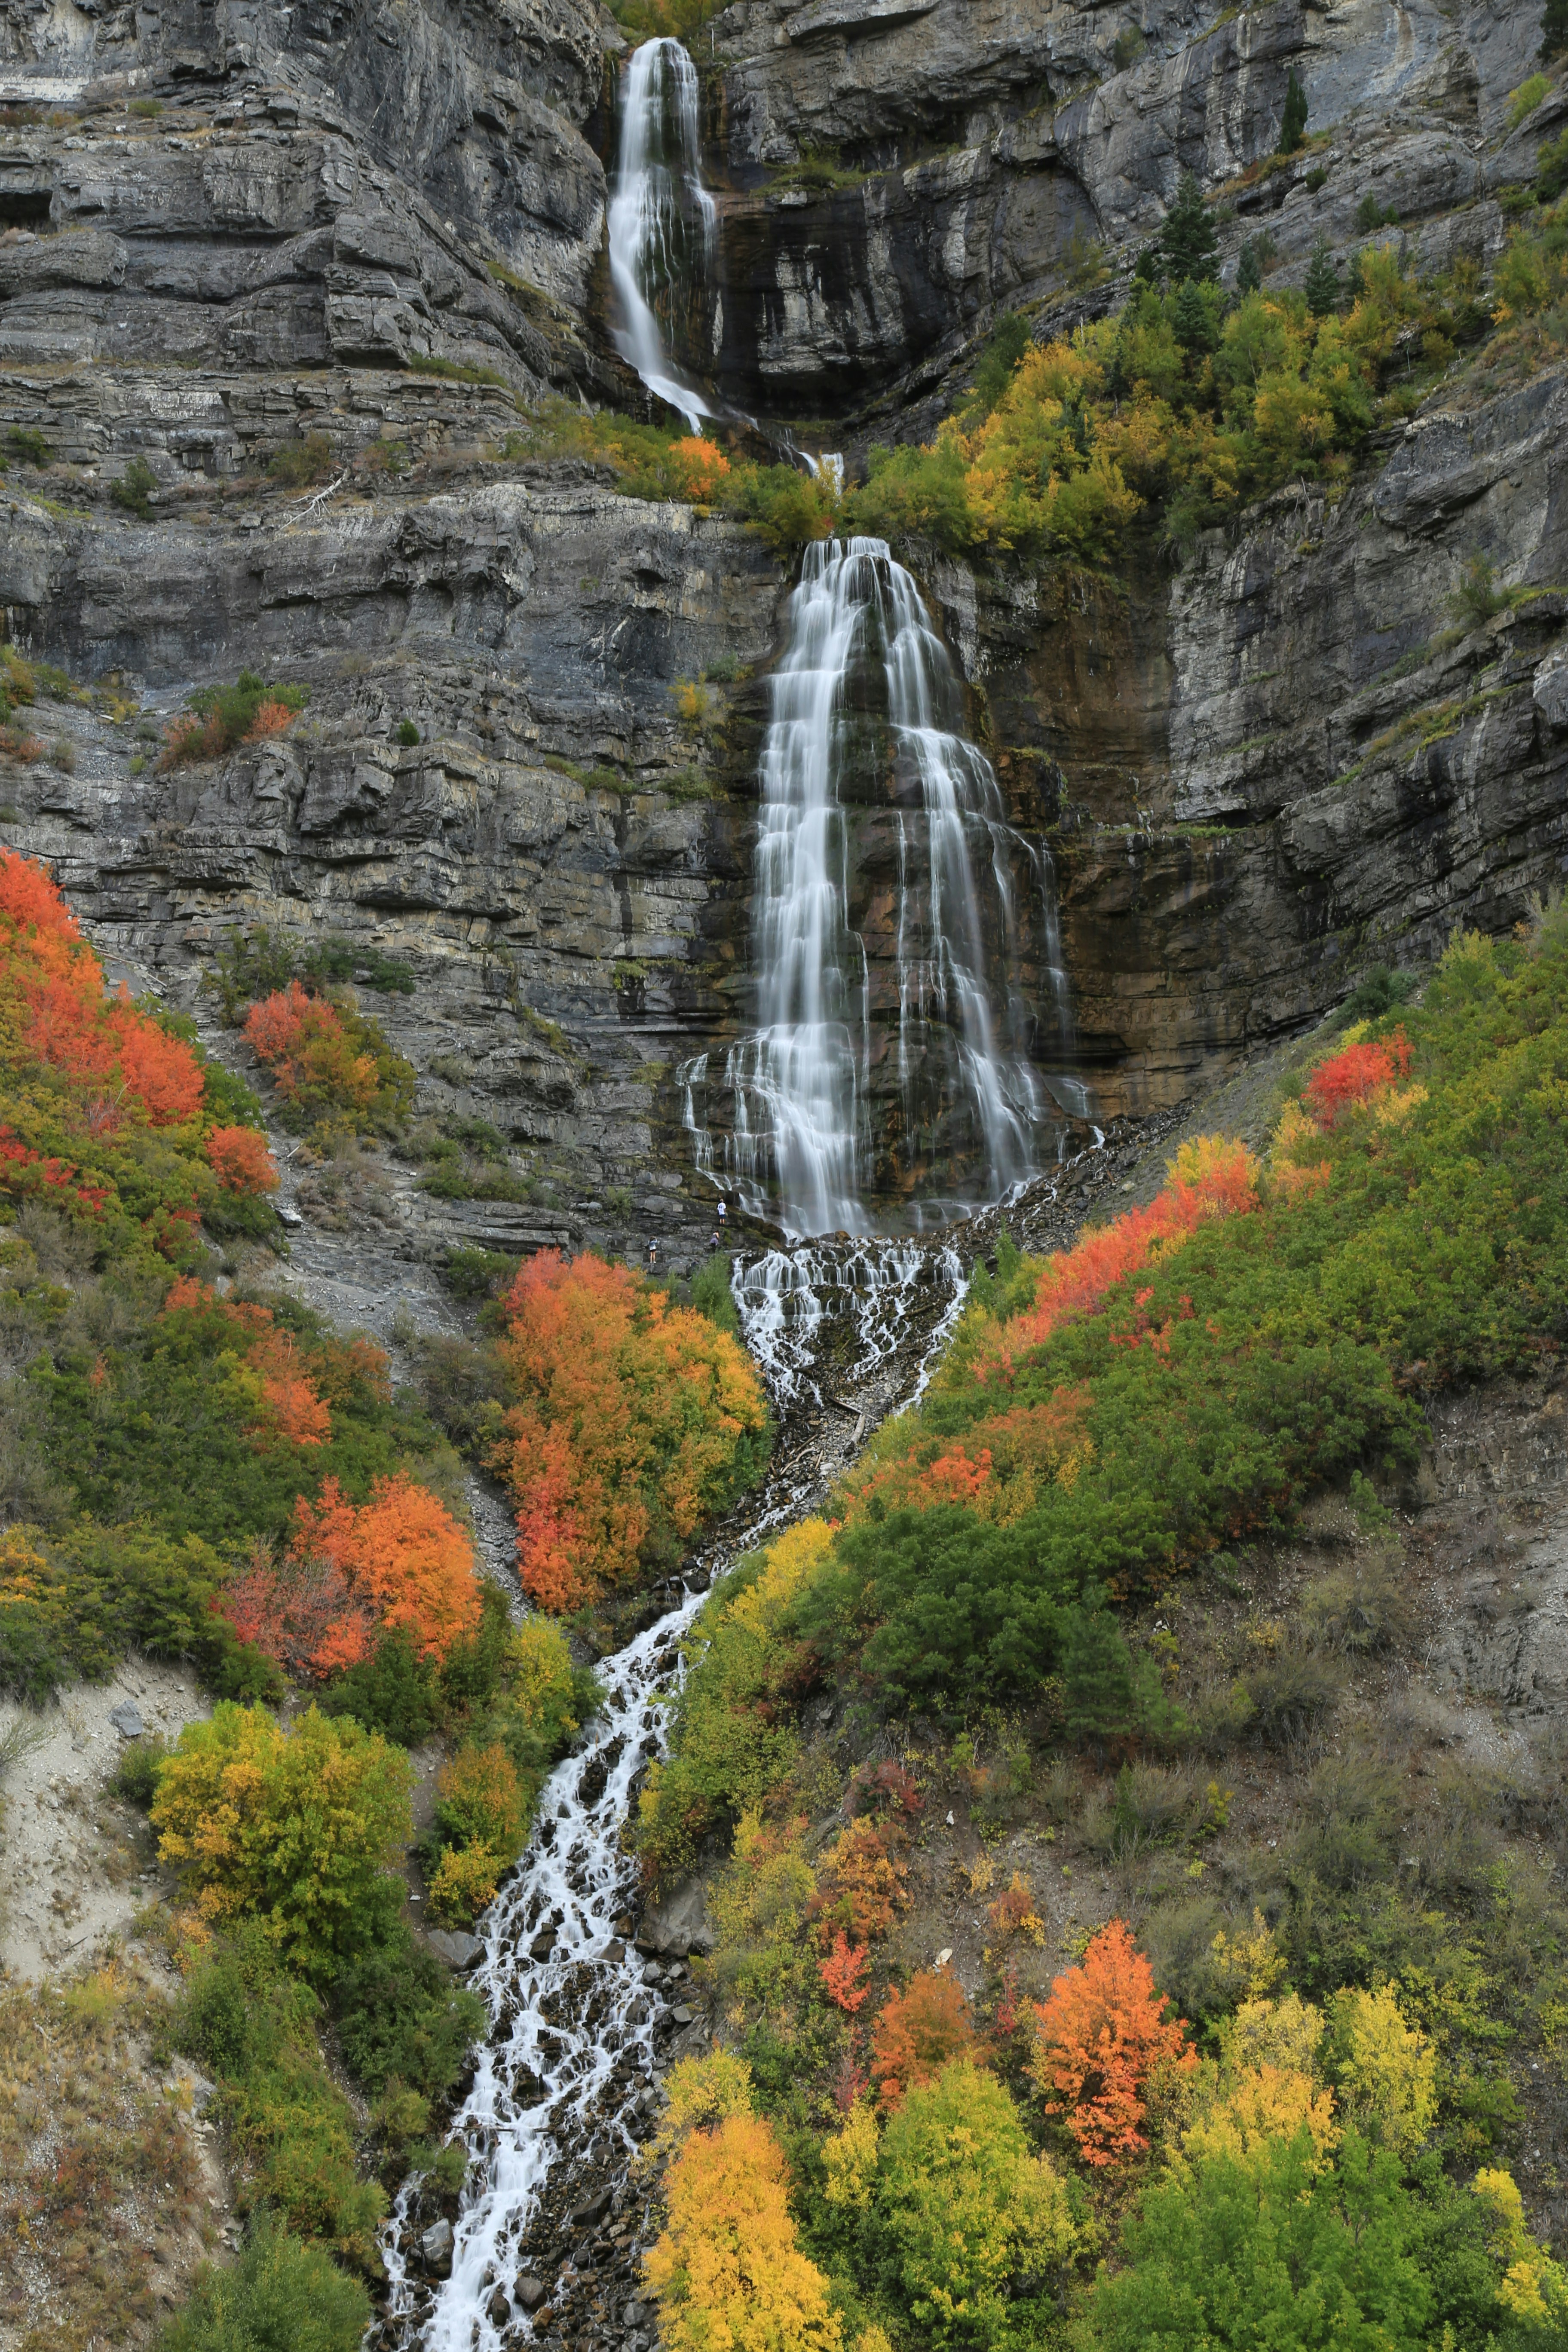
661 216
866 708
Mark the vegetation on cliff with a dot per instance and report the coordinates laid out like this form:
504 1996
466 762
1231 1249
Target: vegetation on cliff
206 1472
1280 2101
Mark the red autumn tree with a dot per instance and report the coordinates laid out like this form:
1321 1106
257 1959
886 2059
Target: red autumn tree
304 1044
628 1418
1356 1075
918 2031
402 1552
300 1612
844 1973
240 1160
1102 2038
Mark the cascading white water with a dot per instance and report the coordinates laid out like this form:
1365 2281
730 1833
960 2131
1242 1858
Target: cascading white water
661 215
798 1089
876 1289
579 2042
574 2044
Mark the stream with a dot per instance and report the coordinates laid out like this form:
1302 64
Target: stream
582 2026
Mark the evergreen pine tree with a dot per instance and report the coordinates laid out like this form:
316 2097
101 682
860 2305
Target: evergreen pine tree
1293 121
1195 323
1355 284
1554 31
1322 282
1248 269
1096 1674
1189 241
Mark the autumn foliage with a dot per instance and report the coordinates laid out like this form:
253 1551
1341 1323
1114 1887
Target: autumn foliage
88 1073
1351 1077
302 1613
728 2272
844 1973
918 2031
632 1420
240 1160
700 467
1100 2038
1210 1178
402 1552
303 1041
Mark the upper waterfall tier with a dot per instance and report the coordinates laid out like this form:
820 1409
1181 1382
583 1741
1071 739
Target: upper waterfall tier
909 1072
661 216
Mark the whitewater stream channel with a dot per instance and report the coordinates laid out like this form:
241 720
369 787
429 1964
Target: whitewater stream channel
583 2025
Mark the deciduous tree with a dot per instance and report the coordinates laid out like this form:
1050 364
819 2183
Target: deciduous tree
1099 2039
728 2272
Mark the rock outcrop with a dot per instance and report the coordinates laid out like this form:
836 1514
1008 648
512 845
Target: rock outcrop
234 232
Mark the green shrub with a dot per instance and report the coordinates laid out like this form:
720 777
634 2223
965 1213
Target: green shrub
133 491
254 2029
24 441
279 2296
1194 2270
252 964
401 2019
216 717
300 462
135 1777
394 1691
146 109
712 1295
1526 99
784 506
968 2226
408 733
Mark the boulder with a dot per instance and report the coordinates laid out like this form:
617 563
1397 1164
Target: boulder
435 2249
457 1949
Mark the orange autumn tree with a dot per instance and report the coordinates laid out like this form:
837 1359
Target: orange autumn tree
1101 2039
240 1160
1209 1178
728 2272
89 1072
304 1043
918 2031
633 1420
403 1553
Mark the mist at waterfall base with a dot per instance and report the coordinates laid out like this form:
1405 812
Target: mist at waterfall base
661 216
898 1089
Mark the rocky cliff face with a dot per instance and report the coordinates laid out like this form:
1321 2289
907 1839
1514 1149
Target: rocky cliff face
229 228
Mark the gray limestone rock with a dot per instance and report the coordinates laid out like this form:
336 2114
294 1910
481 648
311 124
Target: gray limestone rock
457 1949
127 1719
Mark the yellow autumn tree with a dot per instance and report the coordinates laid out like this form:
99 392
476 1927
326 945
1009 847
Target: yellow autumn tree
295 1829
1265 2105
1387 2070
727 2271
